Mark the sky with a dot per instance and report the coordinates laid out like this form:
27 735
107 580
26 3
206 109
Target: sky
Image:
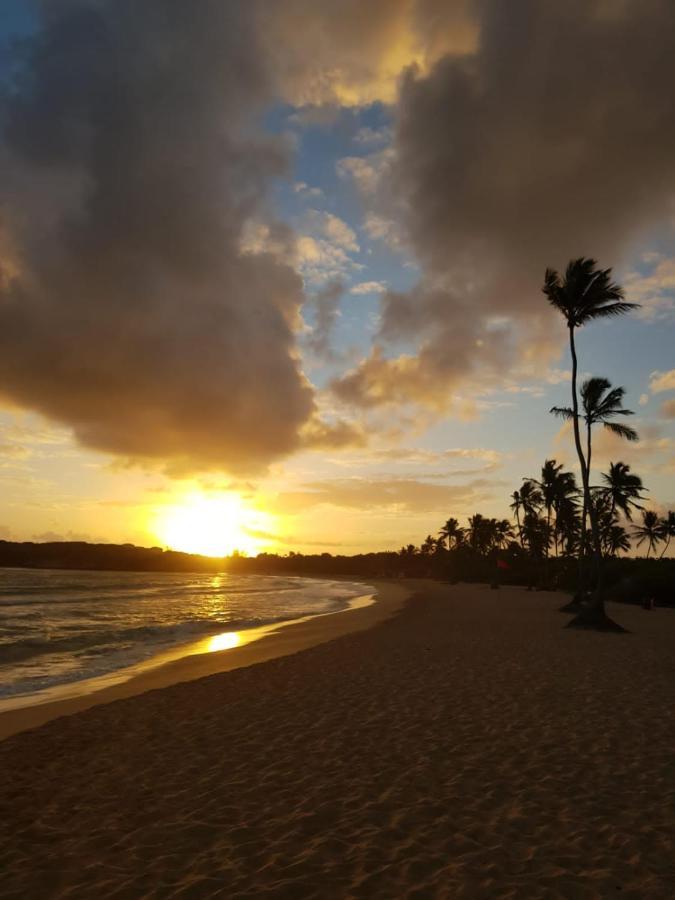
270 274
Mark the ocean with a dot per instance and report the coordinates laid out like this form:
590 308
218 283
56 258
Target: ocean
59 627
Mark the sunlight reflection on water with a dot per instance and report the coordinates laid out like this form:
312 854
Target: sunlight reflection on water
225 641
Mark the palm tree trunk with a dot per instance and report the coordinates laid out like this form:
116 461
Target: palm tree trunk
665 548
580 455
598 602
520 530
595 532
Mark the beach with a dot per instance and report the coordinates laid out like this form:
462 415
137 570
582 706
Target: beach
463 744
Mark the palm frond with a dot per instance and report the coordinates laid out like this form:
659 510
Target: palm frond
606 311
563 412
624 431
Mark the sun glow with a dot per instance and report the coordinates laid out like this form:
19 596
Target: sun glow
213 525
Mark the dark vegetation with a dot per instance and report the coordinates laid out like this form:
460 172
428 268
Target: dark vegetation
628 578
113 557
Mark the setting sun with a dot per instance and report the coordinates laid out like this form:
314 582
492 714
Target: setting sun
214 525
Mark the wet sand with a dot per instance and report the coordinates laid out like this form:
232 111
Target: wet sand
467 747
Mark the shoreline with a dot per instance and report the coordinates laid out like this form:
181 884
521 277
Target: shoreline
199 659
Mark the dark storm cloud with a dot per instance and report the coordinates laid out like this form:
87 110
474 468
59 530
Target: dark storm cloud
555 138
132 161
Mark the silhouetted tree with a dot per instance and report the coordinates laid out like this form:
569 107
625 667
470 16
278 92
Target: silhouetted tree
622 488
451 534
650 530
428 547
583 294
668 530
617 539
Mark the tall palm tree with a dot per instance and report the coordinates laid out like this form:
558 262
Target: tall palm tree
451 533
649 531
622 488
583 294
668 530
601 403
548 485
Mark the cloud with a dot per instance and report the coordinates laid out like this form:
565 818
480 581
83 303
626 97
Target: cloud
381 228
352 53
653 453
327 309
655 291
504 162
668 409
395 494
333 435
13 451
306 190
367 172
333 229
370 136
319 260
662 381
323 247
132 164
368 287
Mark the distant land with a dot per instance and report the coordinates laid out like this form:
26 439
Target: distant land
127 557
114 557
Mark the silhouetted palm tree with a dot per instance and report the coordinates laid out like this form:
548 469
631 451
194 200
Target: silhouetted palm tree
601 403
530 496
503 533
537 534
516 506
667 530
617 539
548 485
622 488
649 531
567 525
557 487
428 547
451 533
584 294
477 535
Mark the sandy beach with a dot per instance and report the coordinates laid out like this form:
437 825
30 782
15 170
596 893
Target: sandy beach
468 746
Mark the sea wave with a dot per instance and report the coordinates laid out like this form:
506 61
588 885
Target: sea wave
59 626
